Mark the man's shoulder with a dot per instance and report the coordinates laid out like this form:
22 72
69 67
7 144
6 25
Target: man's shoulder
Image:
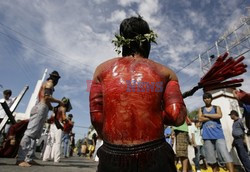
240 120
48 84
108 62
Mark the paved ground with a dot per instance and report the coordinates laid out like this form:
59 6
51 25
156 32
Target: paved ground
73 164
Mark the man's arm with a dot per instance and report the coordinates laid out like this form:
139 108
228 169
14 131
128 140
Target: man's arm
217 115
174 112
63 110
201 116
193 140
242 96
96 103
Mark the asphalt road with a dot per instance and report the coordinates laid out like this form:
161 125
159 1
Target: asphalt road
73 164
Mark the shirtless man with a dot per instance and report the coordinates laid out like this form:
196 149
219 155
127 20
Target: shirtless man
53 147
131 98
37 119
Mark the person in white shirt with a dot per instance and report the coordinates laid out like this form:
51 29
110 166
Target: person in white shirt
7 98
197 143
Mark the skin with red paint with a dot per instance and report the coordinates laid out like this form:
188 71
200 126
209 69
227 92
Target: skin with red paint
128 117
242 96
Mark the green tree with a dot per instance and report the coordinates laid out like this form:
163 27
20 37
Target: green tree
193 114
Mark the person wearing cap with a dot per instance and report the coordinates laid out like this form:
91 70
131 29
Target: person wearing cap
53 146
212 134
238 133
67 129
38 116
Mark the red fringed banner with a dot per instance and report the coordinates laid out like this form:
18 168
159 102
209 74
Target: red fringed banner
216 78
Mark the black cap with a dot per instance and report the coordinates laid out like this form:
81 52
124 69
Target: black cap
55 74
233 112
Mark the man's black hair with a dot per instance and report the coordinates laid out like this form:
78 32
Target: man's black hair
7 92
234 112
207 96
54 76
129 29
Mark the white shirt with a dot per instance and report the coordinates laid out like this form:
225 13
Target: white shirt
9 103
197 135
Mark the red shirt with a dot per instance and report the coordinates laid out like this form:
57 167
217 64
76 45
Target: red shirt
67 127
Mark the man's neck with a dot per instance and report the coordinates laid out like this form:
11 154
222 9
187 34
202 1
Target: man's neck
208 105
236 119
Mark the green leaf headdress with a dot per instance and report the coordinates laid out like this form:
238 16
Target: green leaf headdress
67 103
120 41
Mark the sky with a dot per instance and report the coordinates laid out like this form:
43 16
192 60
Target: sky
74 37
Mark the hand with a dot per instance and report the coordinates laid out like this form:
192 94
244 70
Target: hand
12 141
235 93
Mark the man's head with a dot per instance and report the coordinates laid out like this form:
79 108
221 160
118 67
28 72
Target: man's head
197 123
67 104
54 76
129 29
70 116
7 94
207 98
234 114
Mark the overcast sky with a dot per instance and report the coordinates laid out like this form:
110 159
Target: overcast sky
73 37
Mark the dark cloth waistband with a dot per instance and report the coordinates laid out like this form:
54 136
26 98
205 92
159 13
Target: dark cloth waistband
124 149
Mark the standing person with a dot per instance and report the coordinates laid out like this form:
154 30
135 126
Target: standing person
53 147
182 141
72 144
168 135
212 134
238 133
67 129
99 143
9 101
38 117
197 142
131 98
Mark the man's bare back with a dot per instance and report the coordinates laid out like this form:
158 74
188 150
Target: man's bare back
133 88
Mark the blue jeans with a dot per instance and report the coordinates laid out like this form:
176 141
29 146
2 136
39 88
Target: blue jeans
199 151
242 153
65 140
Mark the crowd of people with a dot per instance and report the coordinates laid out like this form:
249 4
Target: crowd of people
206 135
19 139
132 99
88 147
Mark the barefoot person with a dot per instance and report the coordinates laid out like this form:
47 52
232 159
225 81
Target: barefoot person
131 98
53 146
37 119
